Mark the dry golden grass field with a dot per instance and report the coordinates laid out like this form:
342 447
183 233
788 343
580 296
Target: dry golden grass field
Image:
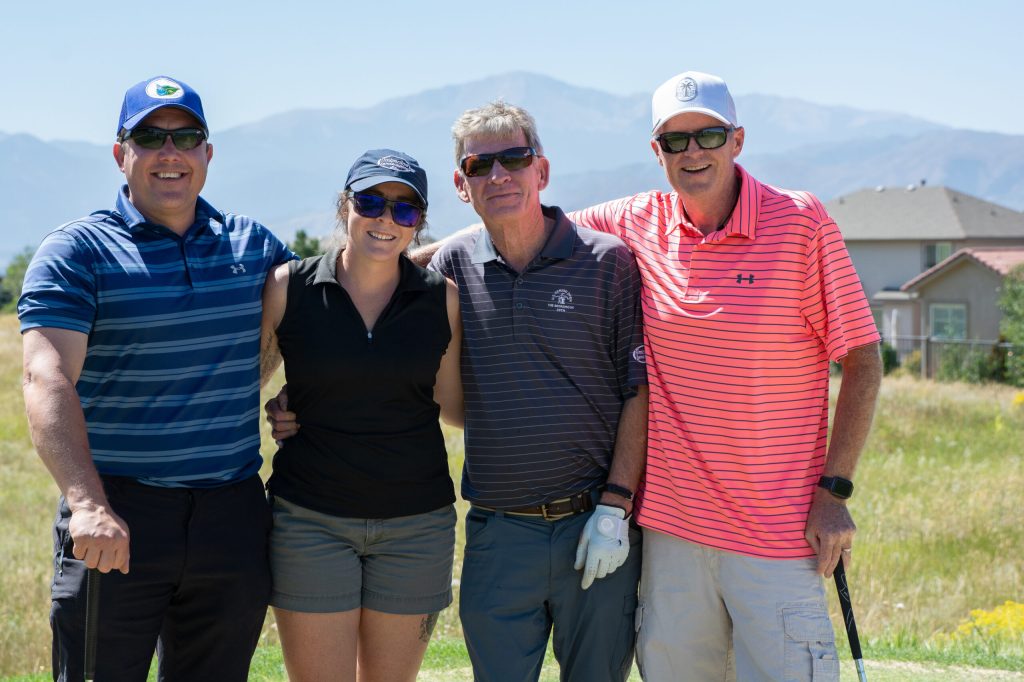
939 503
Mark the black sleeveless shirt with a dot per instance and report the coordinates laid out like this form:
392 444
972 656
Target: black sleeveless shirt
370 445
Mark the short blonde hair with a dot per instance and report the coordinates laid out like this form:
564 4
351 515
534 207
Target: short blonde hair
497 119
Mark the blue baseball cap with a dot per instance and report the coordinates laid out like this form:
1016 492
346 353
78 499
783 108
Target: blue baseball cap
377 166
144 98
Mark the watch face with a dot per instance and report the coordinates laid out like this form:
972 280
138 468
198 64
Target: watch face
840 487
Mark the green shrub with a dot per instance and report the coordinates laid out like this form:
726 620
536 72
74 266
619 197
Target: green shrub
890 359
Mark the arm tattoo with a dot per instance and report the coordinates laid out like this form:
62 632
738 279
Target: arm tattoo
270 357
427 626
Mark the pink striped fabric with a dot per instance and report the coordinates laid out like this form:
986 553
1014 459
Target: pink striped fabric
739 328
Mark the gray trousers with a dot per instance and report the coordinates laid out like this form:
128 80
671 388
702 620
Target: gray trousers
519 584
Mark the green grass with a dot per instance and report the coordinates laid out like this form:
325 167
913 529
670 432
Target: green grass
938 504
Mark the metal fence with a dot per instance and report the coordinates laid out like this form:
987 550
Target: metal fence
949 359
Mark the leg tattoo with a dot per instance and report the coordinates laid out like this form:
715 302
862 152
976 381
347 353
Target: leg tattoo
427 626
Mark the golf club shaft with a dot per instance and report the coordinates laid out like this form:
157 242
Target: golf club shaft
851 625
92 617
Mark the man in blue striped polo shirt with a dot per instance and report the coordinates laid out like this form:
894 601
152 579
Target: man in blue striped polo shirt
141 347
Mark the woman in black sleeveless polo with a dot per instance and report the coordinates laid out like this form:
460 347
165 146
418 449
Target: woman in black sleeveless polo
363 538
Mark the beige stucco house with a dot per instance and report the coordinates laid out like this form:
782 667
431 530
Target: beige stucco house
897 236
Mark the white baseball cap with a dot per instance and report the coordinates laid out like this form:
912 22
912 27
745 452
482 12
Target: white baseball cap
693 91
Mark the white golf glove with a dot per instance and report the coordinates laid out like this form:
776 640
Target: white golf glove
604 543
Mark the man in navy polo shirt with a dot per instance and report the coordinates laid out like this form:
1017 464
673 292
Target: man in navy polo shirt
555 412
141 350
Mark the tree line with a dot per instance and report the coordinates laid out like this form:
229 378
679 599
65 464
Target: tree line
1011 301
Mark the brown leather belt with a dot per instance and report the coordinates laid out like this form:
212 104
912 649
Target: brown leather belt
554 510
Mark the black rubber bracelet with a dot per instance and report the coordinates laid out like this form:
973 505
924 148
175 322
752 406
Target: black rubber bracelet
619 490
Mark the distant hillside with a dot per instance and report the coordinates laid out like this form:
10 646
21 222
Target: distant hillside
987 165
285 169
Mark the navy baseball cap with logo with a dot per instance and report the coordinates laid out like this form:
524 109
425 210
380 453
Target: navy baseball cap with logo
386 165
144 98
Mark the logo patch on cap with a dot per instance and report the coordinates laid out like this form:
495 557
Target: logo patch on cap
686 89
394 163
164 88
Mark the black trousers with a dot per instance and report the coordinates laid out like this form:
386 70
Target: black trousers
196 590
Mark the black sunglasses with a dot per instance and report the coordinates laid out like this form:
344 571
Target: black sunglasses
709 138
374 205
184 139
512 159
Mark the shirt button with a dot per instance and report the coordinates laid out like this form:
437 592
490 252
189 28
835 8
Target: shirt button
519 306
519 280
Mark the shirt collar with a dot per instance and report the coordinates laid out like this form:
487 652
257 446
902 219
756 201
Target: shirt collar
206 216
742 222
559 243
410 278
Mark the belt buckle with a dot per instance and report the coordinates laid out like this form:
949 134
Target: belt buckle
544 513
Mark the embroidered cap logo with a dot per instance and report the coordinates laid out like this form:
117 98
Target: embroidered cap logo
394 163
164 88
686 89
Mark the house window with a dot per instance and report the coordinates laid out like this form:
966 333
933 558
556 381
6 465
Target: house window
948 320
937 252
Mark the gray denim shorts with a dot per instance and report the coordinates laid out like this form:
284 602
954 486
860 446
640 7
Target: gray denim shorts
327 564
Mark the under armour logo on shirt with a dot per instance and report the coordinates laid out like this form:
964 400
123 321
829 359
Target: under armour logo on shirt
749 278
235 269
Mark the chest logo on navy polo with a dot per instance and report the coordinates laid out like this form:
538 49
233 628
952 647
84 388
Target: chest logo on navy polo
237 269
561 301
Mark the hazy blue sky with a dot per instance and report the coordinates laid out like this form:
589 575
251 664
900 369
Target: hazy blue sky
66 64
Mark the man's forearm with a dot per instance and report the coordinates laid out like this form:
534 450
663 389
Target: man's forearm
630 454
421 255
855 408
59 434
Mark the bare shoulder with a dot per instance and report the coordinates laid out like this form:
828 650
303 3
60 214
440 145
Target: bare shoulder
279 275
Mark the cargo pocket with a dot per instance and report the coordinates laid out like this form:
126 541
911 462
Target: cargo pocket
810 647
626 642
638 623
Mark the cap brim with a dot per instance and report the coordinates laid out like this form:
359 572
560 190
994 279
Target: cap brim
135 120
367 183
696 110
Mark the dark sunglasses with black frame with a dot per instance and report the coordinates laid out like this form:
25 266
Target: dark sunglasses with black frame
373 206
511 159
709 138
149 137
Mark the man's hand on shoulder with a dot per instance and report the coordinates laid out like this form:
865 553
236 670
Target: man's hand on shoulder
100 537
830 531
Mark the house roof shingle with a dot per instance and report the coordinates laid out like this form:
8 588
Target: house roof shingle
922 213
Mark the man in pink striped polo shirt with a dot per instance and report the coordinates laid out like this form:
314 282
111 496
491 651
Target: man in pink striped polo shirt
748 294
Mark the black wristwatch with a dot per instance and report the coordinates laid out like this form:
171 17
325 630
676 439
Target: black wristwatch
839 487
620 490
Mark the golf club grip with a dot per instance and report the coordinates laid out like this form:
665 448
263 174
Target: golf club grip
847 607
92 619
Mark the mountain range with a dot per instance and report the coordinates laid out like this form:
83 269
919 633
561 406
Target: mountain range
285 169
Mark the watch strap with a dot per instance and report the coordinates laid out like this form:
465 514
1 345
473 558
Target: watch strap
837 486
619 490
